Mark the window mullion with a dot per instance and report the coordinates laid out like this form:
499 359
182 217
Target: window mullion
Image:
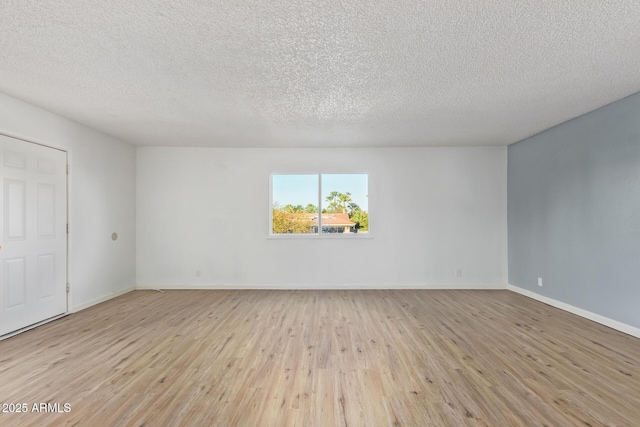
319 204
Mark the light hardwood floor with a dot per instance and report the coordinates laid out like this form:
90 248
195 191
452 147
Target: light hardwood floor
323 358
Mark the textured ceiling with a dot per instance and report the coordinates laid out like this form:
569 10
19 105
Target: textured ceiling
320 73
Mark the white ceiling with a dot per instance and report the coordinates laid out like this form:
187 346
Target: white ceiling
320 73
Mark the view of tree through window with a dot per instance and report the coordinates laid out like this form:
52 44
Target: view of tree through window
314 204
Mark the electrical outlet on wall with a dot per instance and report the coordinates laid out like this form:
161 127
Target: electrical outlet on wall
198 273
540 281
458 272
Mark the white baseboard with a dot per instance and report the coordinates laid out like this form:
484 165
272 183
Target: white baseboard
465 286
104 298
614 324
35 325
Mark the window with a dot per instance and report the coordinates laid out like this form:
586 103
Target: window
319 204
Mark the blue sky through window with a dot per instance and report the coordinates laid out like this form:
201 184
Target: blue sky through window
303 189
295 190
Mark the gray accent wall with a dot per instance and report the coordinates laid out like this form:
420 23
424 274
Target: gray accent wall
574 212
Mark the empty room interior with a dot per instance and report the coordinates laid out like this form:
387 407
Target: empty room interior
303 213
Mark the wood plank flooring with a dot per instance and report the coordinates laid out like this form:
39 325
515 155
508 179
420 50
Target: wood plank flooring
322 358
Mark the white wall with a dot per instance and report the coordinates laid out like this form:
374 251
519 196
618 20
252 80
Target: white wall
432 210
101 199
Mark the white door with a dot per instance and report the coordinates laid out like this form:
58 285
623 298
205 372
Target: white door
33 233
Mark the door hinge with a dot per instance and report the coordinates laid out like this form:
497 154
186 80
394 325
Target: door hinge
68 287
67 228
67 169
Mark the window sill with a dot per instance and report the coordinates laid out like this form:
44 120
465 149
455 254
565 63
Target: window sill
327 236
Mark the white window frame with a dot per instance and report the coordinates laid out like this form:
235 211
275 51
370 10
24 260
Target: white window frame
319 234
